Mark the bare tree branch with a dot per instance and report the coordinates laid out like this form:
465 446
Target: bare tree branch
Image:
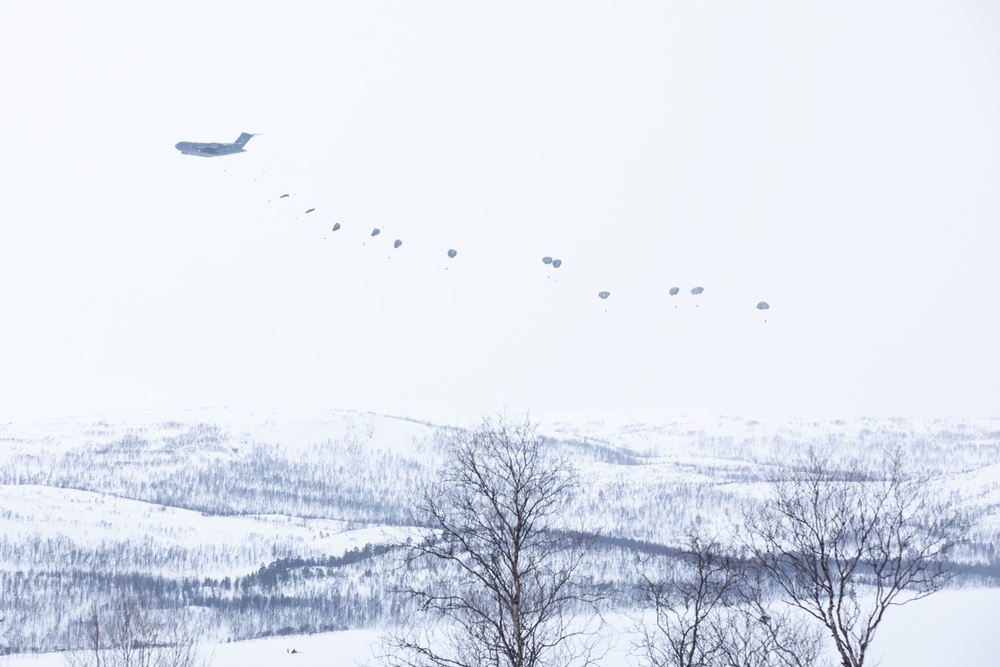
688 598
128 635
845 545
505 594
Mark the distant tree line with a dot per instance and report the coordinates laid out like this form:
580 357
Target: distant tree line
284 569
837 545
49 609
647 539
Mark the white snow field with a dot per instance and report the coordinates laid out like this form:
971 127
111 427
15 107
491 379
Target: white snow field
955 628
189 498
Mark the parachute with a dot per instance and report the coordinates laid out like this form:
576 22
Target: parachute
674 291
376 231
556 263
762 305
604 295
397 243
697 290
452 253
546 260
336 226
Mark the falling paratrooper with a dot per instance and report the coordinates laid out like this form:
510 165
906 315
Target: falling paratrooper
763 305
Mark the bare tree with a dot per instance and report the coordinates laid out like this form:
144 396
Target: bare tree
505 594
686 601
182 649
846 544
712 609
128 635
754 633
4 629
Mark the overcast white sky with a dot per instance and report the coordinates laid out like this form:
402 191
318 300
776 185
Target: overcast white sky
841 161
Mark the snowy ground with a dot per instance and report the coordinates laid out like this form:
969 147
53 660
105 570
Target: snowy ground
680 466
953 628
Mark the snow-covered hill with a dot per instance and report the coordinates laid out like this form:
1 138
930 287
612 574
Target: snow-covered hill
253 521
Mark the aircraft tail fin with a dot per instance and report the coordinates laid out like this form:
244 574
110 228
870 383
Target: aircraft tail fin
244 138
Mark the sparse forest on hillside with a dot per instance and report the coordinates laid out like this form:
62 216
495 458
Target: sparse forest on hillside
247 524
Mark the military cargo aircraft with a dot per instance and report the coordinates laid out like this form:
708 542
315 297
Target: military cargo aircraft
213 149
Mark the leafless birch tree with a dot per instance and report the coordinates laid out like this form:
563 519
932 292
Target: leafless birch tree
711 610
127 635
686 601
845 544
756 632
505 595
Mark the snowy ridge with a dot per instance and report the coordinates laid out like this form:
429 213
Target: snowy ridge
254 521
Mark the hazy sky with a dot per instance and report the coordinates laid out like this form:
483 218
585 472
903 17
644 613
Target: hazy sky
838 160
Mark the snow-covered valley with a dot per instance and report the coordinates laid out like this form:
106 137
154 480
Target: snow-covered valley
251 522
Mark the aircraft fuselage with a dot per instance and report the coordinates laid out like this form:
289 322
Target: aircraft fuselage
213 149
